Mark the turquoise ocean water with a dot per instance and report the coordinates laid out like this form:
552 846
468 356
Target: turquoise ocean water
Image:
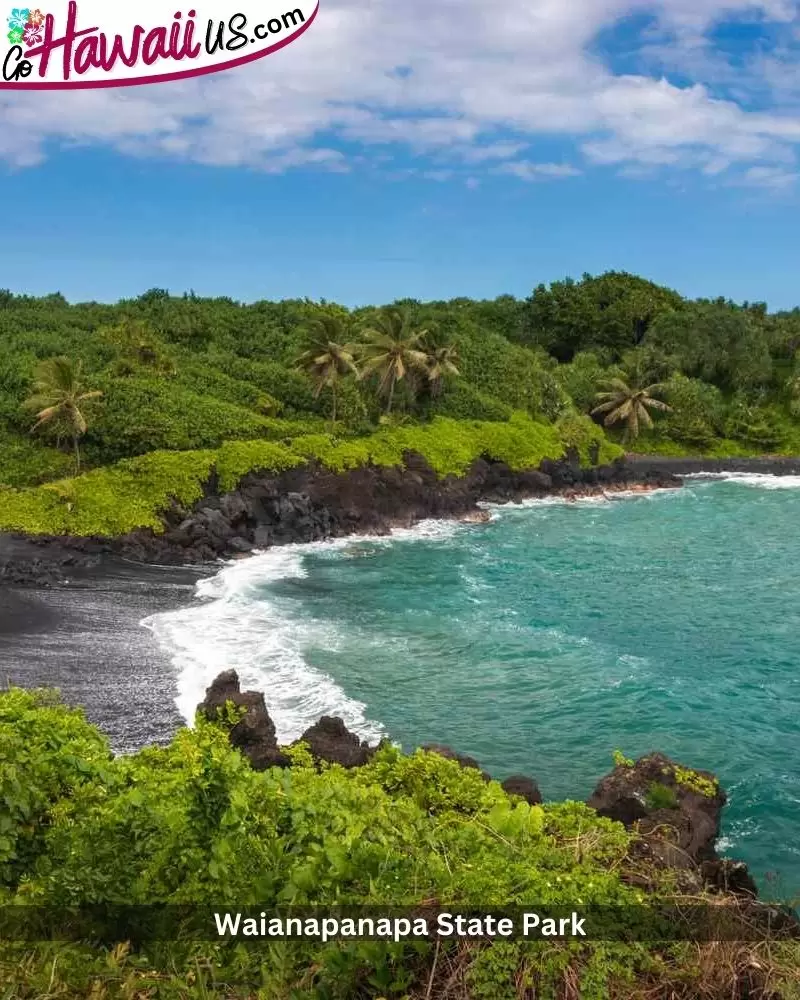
542 641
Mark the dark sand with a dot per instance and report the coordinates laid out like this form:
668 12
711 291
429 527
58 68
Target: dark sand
86 639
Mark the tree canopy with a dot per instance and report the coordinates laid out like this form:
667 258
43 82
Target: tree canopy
180 372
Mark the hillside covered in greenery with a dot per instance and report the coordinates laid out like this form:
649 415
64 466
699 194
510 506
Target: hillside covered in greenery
192 824
146 396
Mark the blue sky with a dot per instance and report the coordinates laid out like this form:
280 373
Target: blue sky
394 152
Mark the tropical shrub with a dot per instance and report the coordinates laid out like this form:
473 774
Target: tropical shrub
135 492
25 462
151 414
698 411
462 401
192 824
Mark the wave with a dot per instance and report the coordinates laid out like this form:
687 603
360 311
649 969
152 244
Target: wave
759 480
238 626
590 500
531 502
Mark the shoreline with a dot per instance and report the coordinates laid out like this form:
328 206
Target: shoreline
76 623
71 609
309 504
86 636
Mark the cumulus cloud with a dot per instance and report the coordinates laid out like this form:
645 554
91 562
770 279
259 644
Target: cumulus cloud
468 84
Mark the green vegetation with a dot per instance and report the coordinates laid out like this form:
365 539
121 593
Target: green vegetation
192 823
134 492
628 404
696 782
326 360
660 797
59 401
153 393
394 353
620 760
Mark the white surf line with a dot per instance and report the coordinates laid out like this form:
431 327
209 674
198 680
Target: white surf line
762 480
237 627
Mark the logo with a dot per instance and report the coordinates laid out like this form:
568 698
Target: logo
72 45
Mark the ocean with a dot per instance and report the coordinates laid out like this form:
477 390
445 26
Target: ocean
542 641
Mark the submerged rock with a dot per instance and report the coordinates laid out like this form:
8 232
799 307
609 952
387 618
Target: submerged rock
330 740
254 733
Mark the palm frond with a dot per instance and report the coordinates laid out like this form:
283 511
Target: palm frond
657 404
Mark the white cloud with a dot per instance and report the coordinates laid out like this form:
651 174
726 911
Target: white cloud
772 178
528 171
463 81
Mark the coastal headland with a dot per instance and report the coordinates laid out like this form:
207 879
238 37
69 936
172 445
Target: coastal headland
312 503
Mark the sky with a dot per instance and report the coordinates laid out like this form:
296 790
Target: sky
428 150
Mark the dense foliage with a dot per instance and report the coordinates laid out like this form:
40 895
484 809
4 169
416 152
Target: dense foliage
192 823
133 493
183 383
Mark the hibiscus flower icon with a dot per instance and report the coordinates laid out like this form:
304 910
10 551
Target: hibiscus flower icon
36 18
33 34
19 18
15 36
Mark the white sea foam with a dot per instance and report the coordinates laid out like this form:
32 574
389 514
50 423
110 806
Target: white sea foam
589 500
238 627
755 479
532 502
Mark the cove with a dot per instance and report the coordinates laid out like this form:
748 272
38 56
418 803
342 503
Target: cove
542 641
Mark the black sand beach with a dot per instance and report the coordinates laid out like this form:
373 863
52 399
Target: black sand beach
85 638
83 633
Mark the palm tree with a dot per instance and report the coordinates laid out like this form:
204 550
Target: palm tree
441 362
393 351
59 395
327 360
628 403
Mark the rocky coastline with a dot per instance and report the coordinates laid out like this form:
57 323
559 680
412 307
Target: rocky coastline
312 504
676 811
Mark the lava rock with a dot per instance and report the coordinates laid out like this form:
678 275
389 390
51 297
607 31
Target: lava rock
526 788
631 796
331 741
729 876
240 545
460 758
254 734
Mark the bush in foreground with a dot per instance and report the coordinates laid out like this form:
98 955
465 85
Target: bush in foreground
193 823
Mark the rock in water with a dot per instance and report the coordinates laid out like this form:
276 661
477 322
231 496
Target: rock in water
330 740
254 733
656 793
526 788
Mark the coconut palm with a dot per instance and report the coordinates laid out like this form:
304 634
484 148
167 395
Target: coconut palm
441 362
327 359
58 400
623 402
393 351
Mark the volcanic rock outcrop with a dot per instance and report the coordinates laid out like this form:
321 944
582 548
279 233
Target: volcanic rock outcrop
661 798
254 732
